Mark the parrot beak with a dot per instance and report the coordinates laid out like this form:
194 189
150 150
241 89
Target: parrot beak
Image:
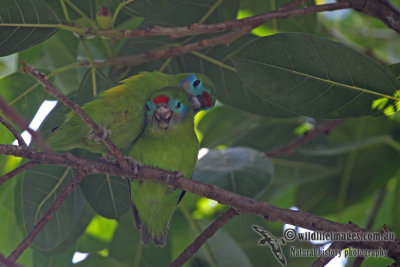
202 102
163 115
196 103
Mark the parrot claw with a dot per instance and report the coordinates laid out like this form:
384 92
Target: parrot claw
179 174
96 138
136 164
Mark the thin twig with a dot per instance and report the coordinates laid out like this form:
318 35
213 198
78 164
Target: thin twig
196 29
289 148
17 136
17 170
76 179
14 116
203 237
43 79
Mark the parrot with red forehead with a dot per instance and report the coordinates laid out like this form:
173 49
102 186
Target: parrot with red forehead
121 110
168 142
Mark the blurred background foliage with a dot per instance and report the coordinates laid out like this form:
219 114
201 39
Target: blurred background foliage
284 78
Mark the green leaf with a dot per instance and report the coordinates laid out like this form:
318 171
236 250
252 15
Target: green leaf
396 206
127 247
306 75
241 170
395 70
107 195
85 91
16 92
180 13
226 126
41 185
96 260
13 14
365 159
59 51
306 23
225 250
63 259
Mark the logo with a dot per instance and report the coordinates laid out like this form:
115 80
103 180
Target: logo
273 242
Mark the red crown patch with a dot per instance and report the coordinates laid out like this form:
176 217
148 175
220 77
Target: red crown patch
161 99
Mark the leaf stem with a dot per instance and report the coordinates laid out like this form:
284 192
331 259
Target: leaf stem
92 66
376 140
76 9
214 61
118 9
37 84
210 11
65 10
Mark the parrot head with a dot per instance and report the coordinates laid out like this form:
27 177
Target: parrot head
164 111
201 91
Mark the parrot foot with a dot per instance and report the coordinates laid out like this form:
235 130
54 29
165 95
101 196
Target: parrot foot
93 136
135 164
179 174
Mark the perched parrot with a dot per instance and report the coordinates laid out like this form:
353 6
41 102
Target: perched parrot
121 110
168 142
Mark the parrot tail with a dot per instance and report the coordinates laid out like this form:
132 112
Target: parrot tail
147 238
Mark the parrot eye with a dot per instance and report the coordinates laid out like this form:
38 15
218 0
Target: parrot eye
178 105
196 83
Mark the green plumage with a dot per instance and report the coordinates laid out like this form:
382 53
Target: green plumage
120 109
174 149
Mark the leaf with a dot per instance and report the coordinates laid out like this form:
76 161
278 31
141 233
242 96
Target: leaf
225 250
180 13
172 13
240 170
41 185
225 126
9 227
63 259
396 206
19 97
307 75
306 23
107 195
17 37
126 247
59 51
85 91
94 260
365 165
395 70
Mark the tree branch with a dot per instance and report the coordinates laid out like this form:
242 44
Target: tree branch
203 237
239 203
76 179
43 79
7 263
196 29
17 136
384 11
17 170
14 116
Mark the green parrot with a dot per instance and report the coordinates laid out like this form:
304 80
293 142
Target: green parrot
168 142
121 110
